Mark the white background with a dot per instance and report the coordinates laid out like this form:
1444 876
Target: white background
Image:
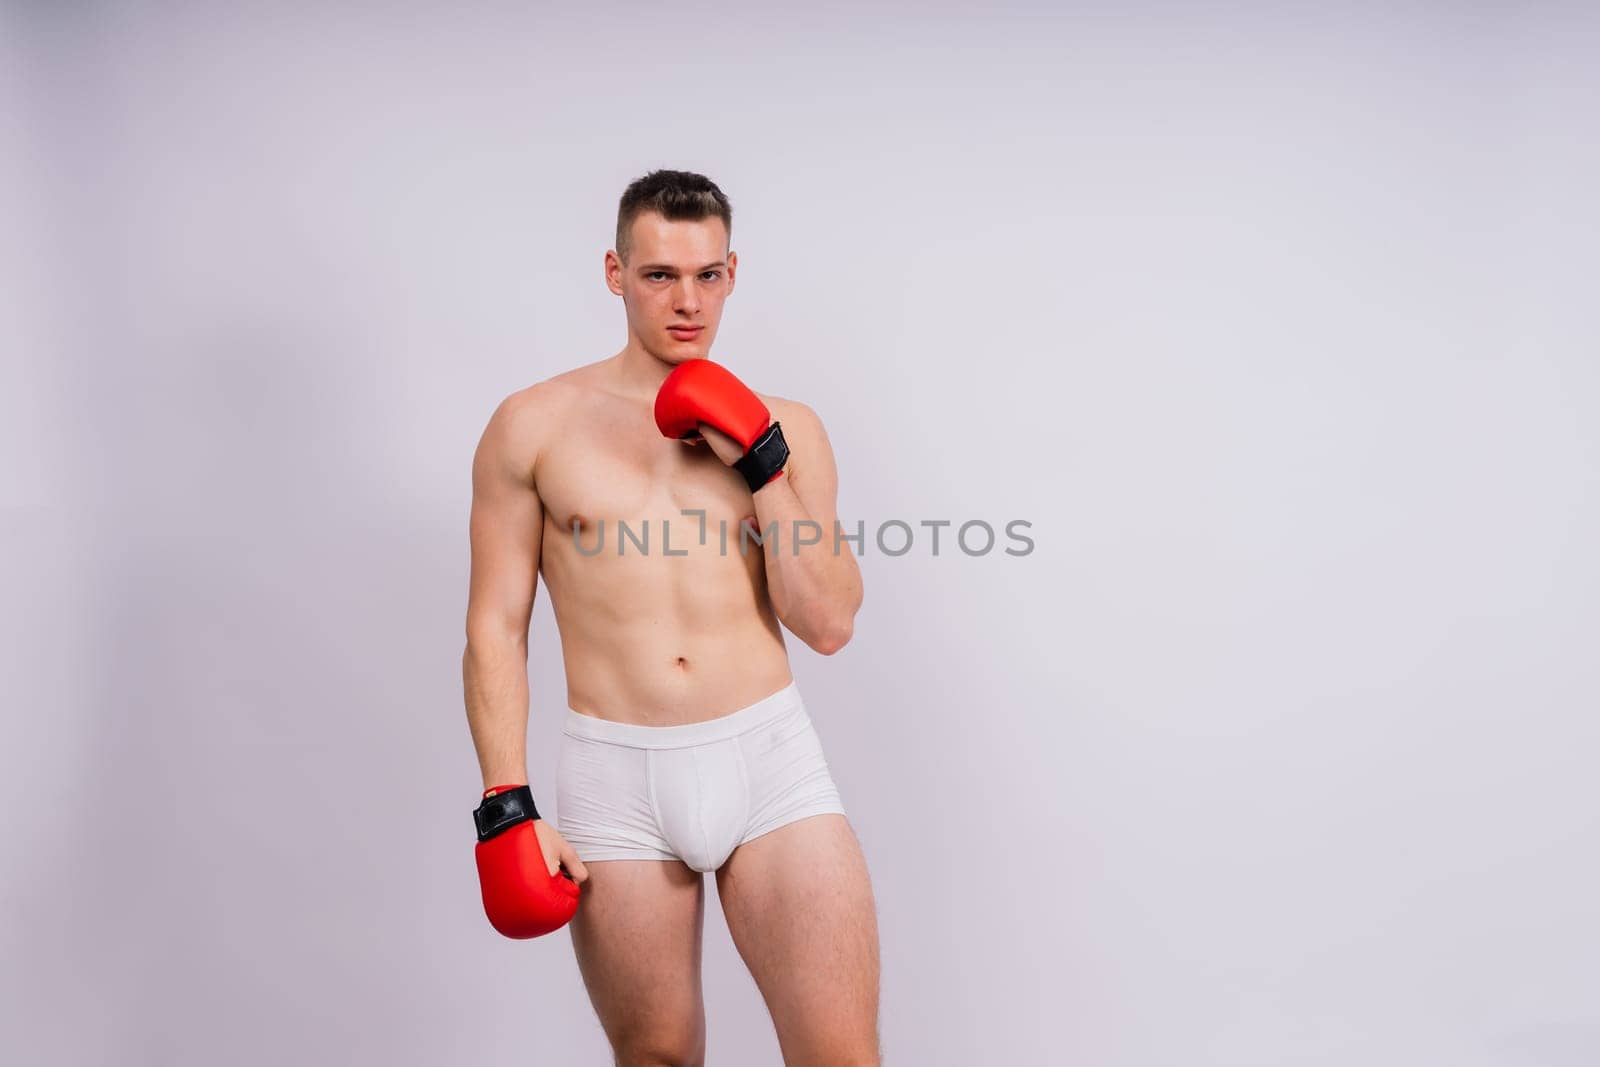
1277 323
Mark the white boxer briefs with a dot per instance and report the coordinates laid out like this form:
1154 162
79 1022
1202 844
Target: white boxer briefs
693 792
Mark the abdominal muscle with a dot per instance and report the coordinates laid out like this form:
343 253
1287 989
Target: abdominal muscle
662 640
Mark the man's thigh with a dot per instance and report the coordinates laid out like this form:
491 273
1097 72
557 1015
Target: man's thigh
637 937
800 909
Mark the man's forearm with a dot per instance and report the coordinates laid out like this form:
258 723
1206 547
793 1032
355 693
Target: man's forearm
815 590
494 677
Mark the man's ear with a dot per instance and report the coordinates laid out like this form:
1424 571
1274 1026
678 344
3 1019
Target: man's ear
612 266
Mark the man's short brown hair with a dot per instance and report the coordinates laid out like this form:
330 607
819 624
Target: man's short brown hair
677 195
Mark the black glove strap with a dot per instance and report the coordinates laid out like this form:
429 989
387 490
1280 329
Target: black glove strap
501 812
764 459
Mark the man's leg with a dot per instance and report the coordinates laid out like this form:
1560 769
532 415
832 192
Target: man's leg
637 936
800 908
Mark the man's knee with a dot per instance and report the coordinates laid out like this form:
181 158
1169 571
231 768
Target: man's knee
659 1059
663 1049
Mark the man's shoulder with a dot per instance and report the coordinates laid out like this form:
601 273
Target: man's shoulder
547 398
793 414
525 420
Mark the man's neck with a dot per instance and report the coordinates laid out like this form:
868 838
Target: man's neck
638 373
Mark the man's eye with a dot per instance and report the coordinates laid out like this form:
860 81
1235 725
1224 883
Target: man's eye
656 274
712 274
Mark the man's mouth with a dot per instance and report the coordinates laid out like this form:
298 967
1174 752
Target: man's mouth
685 333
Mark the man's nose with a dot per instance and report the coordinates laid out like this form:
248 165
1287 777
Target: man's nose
685 297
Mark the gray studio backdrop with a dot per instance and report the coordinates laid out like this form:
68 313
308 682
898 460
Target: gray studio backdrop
1279 748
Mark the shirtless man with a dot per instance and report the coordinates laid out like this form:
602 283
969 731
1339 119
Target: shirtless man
686 747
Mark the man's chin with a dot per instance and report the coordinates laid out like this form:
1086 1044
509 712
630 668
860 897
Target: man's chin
681 351
673 355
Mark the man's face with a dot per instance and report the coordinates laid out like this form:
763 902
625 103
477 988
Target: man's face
673 285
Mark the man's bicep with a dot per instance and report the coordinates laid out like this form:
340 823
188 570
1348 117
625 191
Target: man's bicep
812 469
506 528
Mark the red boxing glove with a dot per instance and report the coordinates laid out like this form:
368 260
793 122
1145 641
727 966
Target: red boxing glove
520 896
699 390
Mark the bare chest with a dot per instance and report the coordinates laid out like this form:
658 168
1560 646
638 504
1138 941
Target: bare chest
620 470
